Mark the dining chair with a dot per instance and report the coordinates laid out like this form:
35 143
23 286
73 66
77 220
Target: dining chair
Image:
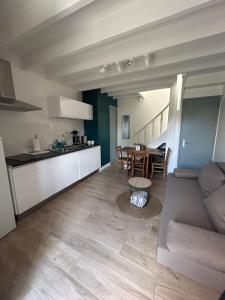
138 162
120 159
128 163
161 166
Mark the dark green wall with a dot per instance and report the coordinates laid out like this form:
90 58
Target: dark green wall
98 128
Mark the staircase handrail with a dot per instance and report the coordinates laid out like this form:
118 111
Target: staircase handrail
152 120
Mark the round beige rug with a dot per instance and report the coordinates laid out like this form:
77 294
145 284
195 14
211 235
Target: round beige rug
151 209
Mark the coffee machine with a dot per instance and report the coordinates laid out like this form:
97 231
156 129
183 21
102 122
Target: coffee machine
77 139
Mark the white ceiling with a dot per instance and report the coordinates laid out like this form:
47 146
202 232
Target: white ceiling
72 40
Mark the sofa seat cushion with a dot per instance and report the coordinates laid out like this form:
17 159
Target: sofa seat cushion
215 205
197 244
183 202
211 178
186 173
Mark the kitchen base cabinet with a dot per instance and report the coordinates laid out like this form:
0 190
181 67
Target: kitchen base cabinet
35 182
90 160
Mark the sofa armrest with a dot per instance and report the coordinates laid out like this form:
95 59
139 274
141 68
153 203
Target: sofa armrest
186 173
197 244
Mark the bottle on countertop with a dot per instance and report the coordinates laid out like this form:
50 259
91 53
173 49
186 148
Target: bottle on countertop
63 140
36 144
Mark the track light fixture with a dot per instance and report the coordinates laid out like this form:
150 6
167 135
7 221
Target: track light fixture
123 64
147 60
103 69
129 62
118 66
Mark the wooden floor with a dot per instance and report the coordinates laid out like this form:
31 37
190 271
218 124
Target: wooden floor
80 246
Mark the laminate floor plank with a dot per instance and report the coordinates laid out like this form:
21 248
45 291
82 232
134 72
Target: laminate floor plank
81 246
128 272
103 283
144 260
184 287
47 273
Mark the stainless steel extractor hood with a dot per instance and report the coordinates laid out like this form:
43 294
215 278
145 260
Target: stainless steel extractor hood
8 99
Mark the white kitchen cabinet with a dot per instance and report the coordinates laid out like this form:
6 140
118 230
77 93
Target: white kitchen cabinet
72 172
64 107
37 181
90 161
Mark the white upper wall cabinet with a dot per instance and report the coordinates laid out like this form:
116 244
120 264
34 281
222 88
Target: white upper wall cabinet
63 107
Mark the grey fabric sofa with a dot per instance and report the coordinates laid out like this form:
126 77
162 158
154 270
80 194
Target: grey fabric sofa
188 242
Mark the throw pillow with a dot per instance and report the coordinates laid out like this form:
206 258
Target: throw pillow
211 178
215 205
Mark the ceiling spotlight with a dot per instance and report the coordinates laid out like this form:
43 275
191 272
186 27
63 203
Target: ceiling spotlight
147 60
103 69
118 66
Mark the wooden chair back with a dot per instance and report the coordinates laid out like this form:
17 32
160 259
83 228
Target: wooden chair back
118 152
167 157
161 166
138 159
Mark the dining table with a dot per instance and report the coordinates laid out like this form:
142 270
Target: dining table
151 152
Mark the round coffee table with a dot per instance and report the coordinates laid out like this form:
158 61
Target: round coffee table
140 191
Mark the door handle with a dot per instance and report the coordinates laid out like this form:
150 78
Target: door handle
184 143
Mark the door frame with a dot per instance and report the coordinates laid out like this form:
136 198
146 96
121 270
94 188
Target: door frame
217 126
174 120
115 109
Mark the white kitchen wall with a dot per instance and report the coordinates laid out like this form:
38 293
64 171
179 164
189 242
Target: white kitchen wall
18 128
141 112
219 154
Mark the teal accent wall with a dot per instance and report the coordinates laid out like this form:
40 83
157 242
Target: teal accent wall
98 128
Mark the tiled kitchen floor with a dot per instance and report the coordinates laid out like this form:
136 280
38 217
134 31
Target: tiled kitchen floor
80 246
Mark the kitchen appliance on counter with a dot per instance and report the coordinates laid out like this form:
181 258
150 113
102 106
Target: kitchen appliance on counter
36 144
84 139
7 218
78 139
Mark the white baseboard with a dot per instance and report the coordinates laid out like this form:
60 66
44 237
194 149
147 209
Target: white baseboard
104 167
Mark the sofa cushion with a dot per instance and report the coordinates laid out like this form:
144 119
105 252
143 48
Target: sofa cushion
215 205
211 178
183 202
221 165
197 244
186 173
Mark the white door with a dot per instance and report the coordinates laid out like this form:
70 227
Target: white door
7 219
